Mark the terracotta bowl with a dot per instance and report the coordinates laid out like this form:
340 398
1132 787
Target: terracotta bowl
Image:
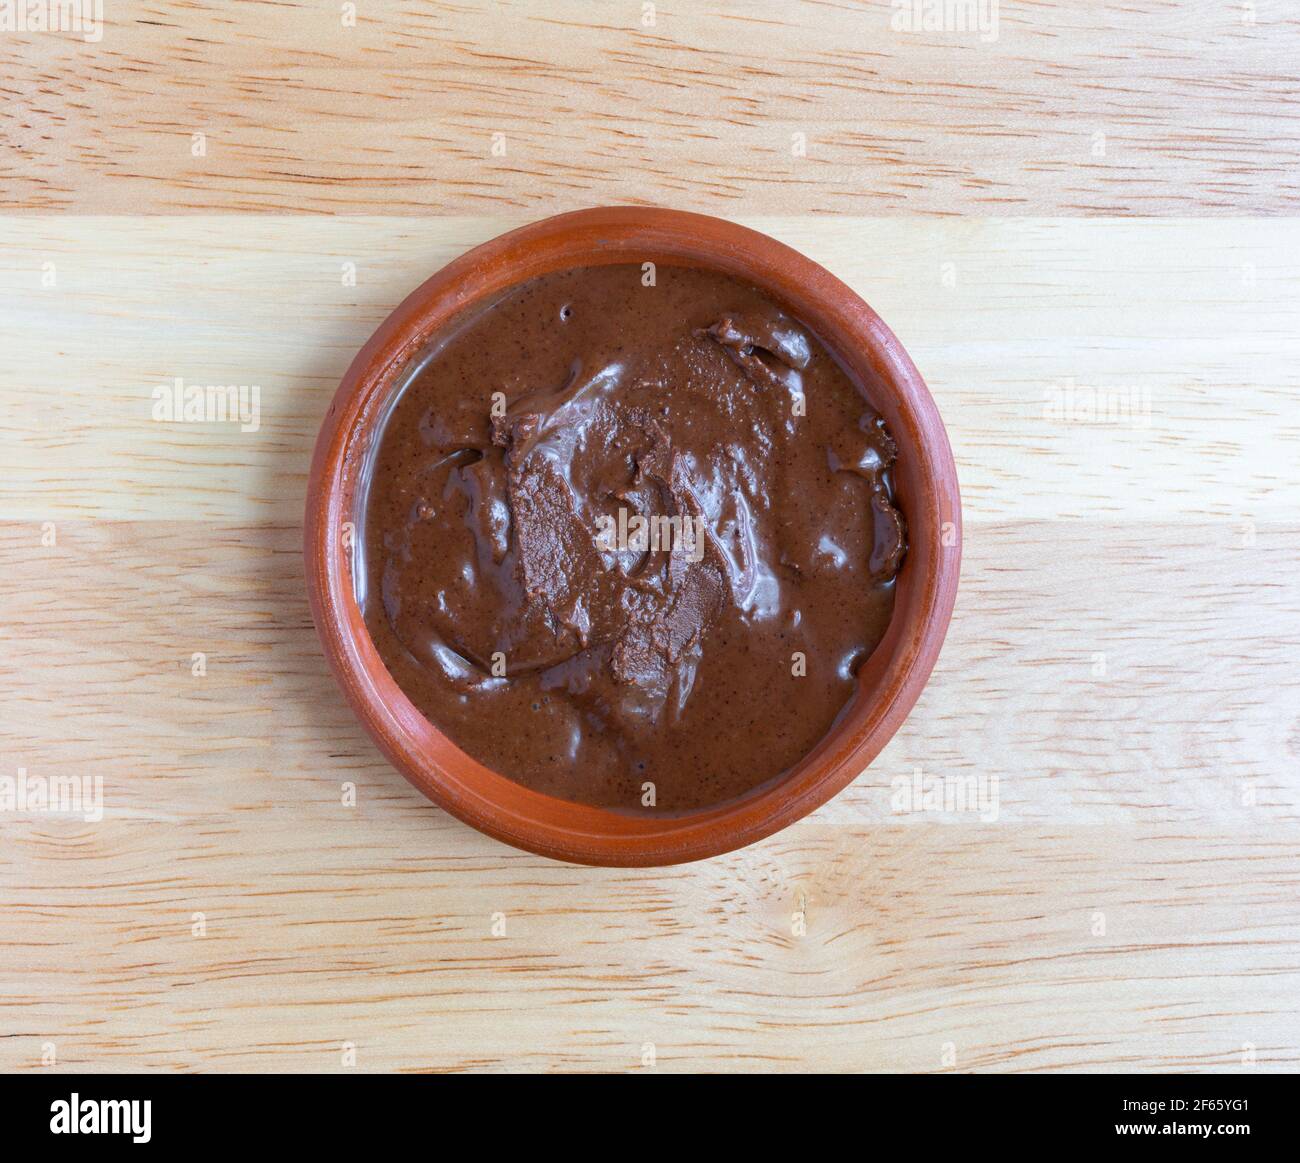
889 682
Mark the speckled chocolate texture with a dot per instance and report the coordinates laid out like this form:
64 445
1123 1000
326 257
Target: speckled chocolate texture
510 603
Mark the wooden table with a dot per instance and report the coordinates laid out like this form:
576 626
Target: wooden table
1123 397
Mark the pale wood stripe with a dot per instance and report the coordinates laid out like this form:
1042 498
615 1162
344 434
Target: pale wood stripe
1196 324
1105 674
1031 948
1149 107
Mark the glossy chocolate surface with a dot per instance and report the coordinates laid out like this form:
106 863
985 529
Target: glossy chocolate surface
619 535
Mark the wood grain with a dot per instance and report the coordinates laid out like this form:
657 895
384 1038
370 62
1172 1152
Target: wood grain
1149 107
1197 322
1121 660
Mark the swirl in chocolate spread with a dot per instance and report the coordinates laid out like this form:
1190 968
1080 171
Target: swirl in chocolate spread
509 603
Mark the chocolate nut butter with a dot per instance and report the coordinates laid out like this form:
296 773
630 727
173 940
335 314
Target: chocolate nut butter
628 533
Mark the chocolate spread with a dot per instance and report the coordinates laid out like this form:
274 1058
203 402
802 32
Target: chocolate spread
628 535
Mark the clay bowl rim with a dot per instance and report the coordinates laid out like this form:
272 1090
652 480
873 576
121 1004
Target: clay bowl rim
889 682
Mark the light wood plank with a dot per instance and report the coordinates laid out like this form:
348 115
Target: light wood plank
1150 107
1191 720
1027 948
1197 322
